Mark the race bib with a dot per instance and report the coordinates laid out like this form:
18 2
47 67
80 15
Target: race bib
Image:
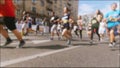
94 21
113 19
65 21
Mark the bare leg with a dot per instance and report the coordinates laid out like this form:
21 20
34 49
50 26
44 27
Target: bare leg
112 37
4 32
17 34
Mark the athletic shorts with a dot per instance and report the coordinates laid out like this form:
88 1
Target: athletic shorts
54 27
29 25
66 26
1 20
115 30
37 28
10 23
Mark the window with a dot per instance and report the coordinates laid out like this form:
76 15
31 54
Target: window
55 1
42 11
42 2
34 9
65 5
33 1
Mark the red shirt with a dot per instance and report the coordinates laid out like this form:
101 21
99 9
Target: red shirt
2 13
8 9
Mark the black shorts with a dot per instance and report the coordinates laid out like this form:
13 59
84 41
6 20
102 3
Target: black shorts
37 27
29 25
66 26
1 20
10 23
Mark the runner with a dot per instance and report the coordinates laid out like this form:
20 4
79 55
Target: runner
102 28
71 24
89 30
95 24
75 29
28 24
59 27
54 23
9 21
19 26
66 26
43 26
79 22
113 20
24 19
38 23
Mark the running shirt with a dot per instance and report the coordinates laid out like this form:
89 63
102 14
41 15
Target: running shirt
102 27
53 19
19 27
29 22
112 14
95 23
89 26
79 22
65 20
24 18
1 15
8 8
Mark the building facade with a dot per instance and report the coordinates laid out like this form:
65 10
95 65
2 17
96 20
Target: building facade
43 8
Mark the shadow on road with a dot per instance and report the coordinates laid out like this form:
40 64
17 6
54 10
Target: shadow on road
115 48
84 44
55 47
7 47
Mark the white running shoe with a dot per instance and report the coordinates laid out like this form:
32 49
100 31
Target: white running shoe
69 42
101 40
91 41
114 43
110 45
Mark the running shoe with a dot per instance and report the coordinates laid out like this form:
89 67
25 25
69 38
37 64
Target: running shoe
110 44
51 38
114 43
69 42
91 41
21 44
59 38
7 42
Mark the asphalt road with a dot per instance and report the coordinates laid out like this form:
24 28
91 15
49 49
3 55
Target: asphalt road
39 51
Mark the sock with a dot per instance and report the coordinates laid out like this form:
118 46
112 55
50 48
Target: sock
111 43
8 39
21 40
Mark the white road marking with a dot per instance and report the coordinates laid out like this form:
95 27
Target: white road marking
40 41
18 60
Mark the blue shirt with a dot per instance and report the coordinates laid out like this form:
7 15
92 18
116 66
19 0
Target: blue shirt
113 14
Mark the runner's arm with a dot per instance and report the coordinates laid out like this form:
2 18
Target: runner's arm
2 2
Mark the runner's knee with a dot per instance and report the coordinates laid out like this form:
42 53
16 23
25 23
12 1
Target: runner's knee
112 32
